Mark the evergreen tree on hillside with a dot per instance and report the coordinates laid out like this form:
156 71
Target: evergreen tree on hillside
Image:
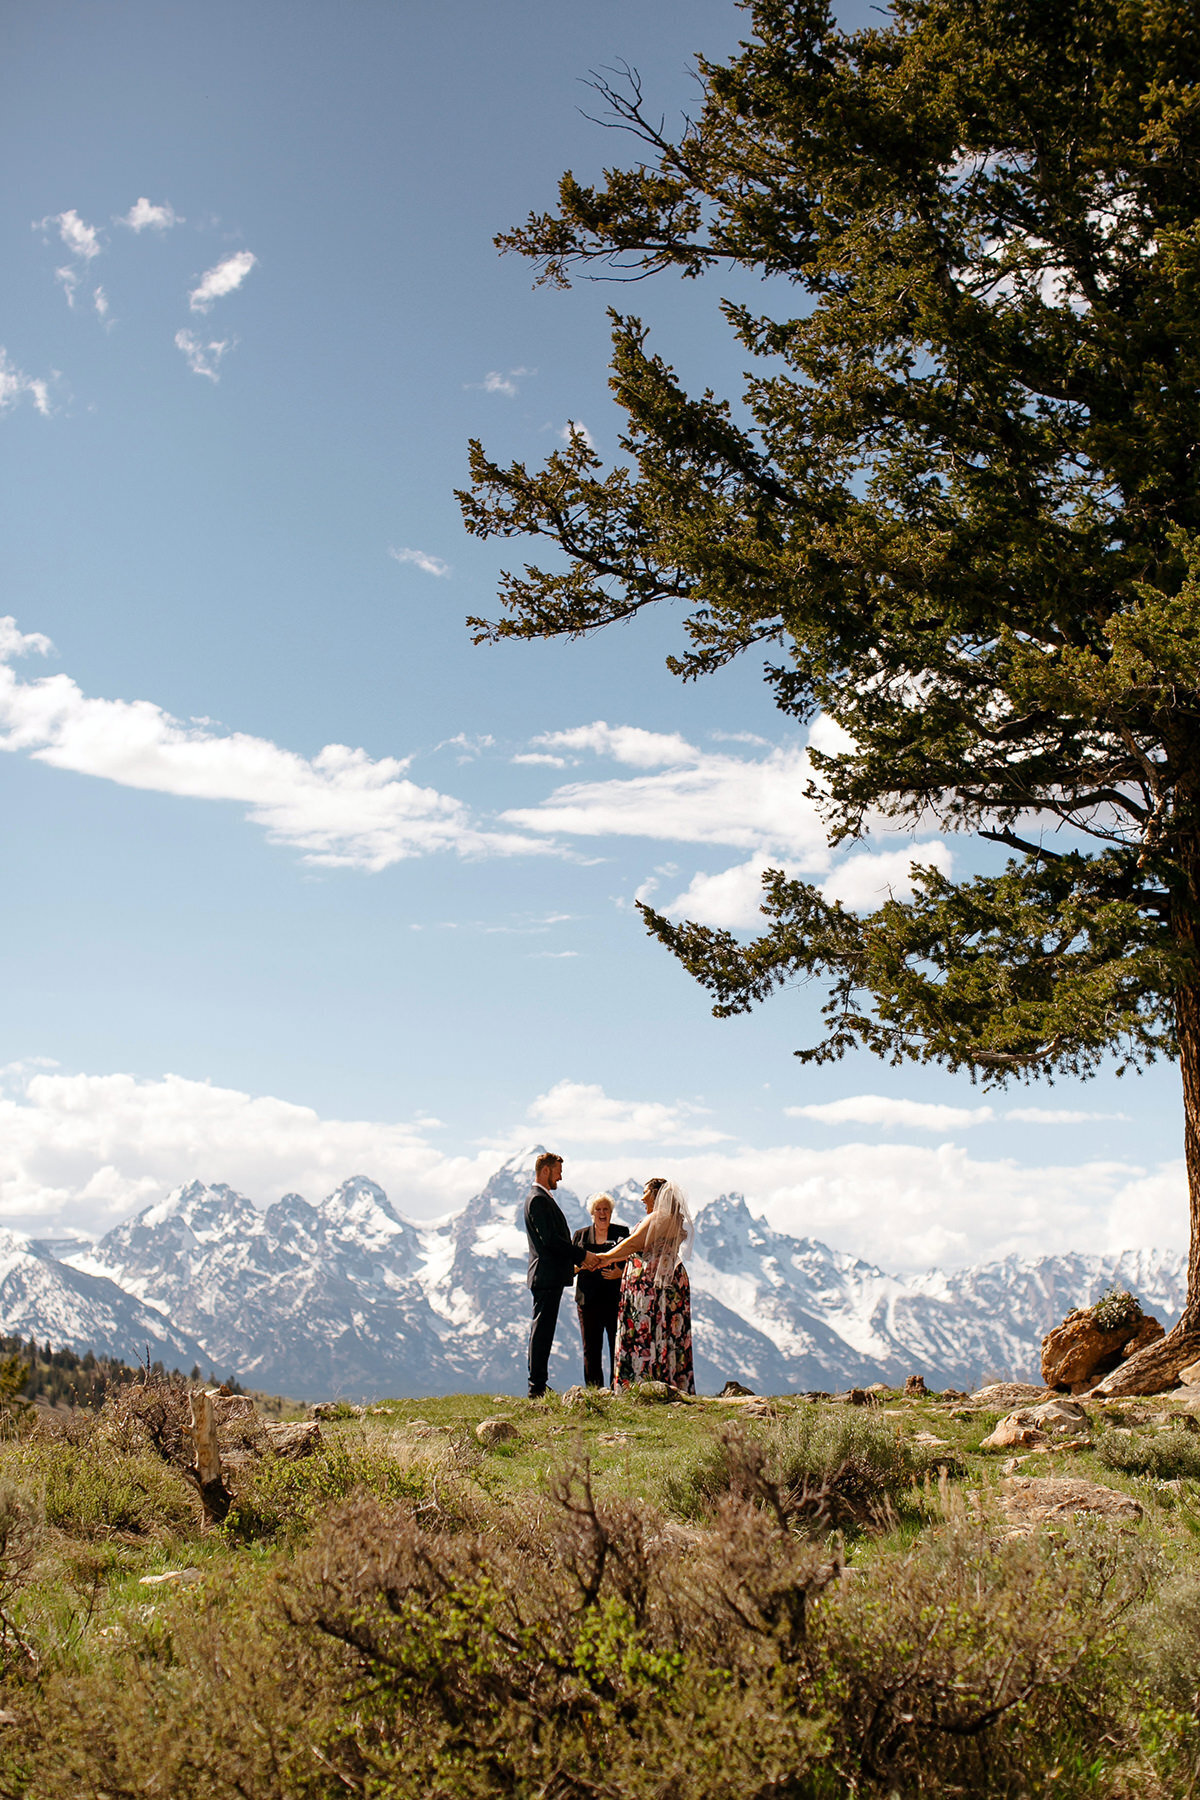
957 503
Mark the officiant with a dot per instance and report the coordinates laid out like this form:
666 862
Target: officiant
598 1293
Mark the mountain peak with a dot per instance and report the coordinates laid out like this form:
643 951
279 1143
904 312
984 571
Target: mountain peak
203 1207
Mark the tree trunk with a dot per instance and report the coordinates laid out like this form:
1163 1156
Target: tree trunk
1157 1367
1184 923
1154 1369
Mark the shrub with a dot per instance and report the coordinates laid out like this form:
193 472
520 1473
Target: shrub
83 1489
832 1466
583 1650
979 1664
1164 1455
1116 1307
279 1498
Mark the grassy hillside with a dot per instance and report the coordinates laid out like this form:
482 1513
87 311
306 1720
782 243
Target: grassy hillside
635 1598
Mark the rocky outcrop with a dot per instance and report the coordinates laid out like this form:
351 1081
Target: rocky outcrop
1029 1500
1093 1340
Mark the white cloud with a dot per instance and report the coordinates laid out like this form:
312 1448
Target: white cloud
629 744
882 1109
81 239
866 879
69 280
82 1151
534 759
202 359
15 385
14 642
422 559
100 302
576 428
750 804
729 901
142 216
495 382
340 808
223 279
923 1115
1056 1115
584 1113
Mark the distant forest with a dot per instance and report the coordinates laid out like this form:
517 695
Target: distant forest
65 1378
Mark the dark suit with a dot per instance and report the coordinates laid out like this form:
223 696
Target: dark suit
598 1301
553 1259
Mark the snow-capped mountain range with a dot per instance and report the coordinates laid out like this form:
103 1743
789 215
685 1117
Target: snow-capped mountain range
349 1297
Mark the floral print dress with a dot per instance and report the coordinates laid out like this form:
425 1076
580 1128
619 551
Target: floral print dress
654 1328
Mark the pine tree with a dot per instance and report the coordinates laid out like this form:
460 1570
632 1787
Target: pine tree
956 503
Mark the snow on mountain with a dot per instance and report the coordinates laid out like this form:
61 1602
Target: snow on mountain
302 1299
44 1298
349 1296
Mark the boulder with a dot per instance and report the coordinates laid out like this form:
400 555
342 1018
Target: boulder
337 1409
914 1387
1007 1393
1032 1499
1057 1415
496 1431
1016 1432
651 1391
734 1390
1085 1347
1190 1376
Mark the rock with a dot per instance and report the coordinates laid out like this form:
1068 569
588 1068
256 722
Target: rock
914 1387
1153 1369
1007 1393
734 1389
879 1387
336 1409
928 1440
1015 1433
855 1397
1077 1353
1057 1415
586 1399
1190 1376
293 1440
651 1391
496 1431
1032 1499
183 1577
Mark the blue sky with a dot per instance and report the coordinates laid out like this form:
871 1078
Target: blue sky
251 314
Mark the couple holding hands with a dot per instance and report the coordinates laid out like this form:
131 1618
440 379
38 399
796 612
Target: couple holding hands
630 1286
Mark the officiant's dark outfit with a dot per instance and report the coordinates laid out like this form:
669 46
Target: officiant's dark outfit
598 1301
553 1259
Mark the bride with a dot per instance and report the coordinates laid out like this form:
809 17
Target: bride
654 1323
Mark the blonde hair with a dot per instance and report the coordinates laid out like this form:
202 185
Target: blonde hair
595 1200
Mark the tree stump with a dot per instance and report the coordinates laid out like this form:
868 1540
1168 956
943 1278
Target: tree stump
206 1474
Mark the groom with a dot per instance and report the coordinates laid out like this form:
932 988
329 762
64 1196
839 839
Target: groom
553 1259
